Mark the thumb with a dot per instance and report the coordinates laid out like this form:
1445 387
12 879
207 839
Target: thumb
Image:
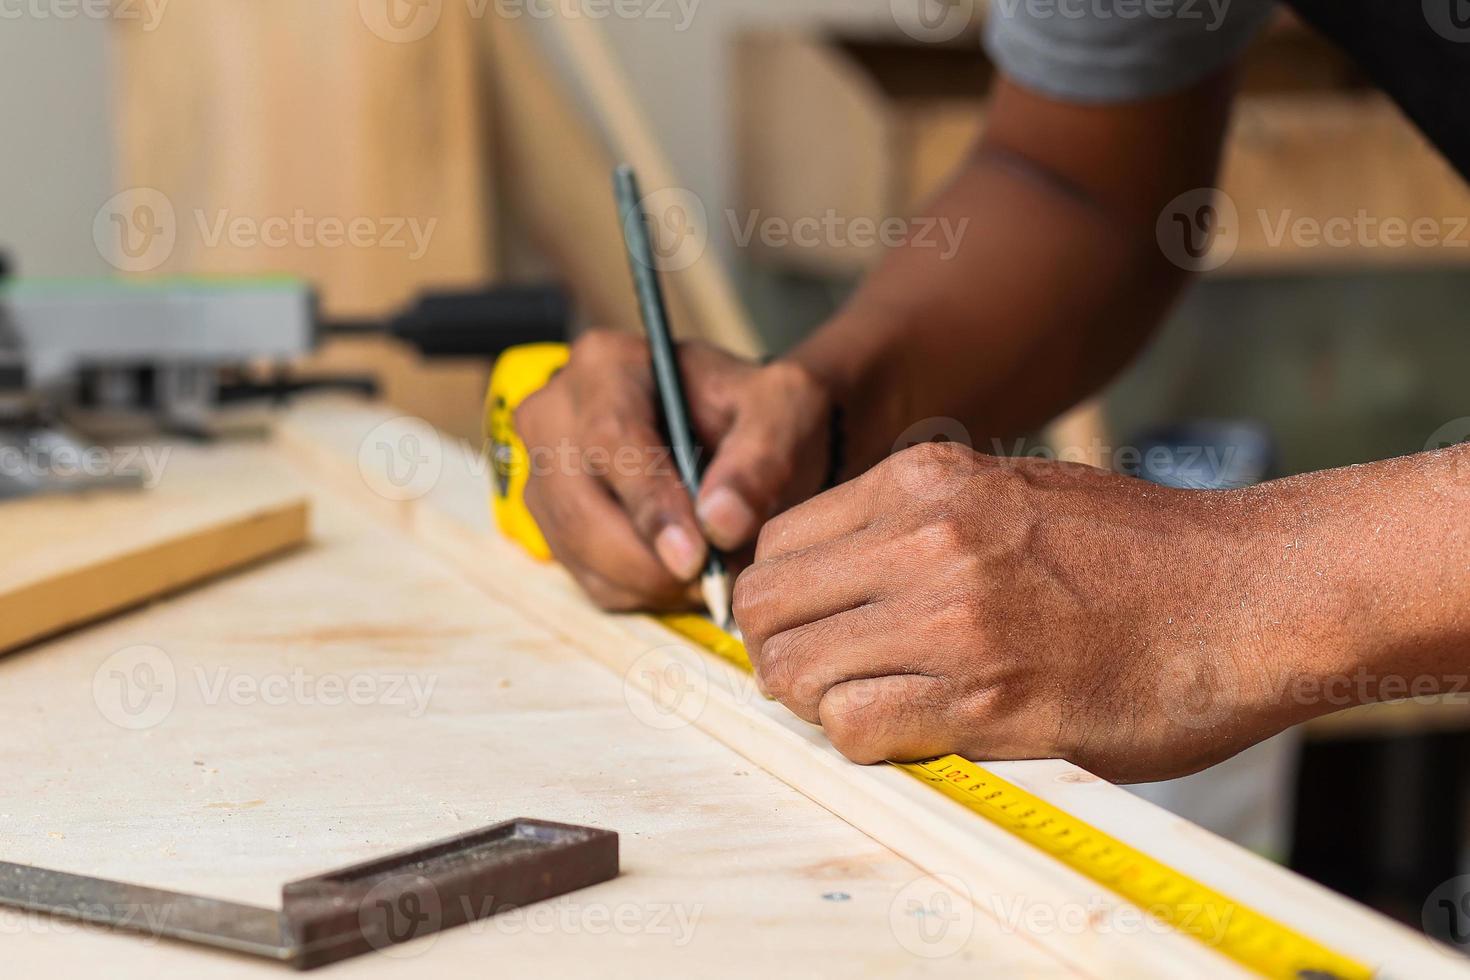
748 478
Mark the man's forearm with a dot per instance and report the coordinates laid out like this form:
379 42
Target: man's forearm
1364 582
1056 282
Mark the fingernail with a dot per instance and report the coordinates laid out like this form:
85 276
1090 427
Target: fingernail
679 552
729 520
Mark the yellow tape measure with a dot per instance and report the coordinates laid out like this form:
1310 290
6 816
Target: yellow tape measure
1225 925
1239 932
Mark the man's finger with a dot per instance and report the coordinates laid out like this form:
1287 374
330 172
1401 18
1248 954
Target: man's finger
801 587
640 472
745 481
845 509
589 532
901 718
798 667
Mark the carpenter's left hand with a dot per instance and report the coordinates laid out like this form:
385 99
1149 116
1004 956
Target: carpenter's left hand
948 601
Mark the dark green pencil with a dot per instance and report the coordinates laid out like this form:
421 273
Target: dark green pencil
715 582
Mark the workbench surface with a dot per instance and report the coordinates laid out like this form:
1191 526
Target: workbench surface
364 695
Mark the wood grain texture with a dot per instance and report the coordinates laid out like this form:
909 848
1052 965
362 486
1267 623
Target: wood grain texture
555 165
71 560
273 108
473 713
1001 878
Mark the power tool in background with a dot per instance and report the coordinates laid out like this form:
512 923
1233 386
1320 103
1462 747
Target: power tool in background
78 356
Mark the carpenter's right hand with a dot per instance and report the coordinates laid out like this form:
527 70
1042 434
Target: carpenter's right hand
603 485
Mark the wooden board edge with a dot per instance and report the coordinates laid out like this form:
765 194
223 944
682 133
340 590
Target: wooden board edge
80 596
937 835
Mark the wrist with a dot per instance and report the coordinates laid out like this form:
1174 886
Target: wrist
1365 602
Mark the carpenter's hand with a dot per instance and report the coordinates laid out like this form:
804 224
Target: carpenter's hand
948 601
603 485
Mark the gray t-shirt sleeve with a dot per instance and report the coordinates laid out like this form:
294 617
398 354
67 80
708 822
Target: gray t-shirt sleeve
1118 50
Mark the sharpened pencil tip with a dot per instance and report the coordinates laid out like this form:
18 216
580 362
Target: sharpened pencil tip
715 587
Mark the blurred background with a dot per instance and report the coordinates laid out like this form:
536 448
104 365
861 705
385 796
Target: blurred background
373 150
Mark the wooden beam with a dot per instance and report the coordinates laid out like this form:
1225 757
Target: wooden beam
556 170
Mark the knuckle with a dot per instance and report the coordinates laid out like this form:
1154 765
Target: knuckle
851 731
606 595
767 536
529 413
748 604
601 344
940 535
777 670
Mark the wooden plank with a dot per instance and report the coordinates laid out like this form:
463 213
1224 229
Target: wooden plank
72 560
700 279
1002 877
474 713
556 169
265 110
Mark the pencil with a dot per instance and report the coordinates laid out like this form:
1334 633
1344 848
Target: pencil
714 583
